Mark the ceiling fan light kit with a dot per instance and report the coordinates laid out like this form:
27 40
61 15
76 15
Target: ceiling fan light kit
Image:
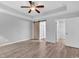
33 8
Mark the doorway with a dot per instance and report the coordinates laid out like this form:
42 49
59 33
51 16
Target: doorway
60 29
42 31
39 30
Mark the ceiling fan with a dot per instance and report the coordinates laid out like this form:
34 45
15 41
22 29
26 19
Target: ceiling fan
33 7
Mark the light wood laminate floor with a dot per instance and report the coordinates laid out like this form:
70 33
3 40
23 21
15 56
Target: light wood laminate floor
37 49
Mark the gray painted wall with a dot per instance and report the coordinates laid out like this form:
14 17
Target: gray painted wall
71 11
52 26
14 29
72 32
51 30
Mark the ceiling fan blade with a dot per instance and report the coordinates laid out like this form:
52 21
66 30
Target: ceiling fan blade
29 11
40 6
30 2
25 7
37 10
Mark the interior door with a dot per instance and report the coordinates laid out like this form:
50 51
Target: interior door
60 29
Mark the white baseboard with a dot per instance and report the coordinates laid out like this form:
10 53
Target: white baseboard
8 43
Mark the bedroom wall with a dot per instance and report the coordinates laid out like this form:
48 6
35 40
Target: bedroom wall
71 12
51 29
72 32
14 29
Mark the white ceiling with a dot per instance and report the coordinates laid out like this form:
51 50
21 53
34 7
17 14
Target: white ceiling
48 6
51 7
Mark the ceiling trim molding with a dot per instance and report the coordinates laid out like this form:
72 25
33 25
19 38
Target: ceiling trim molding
53 12
65 15
14 12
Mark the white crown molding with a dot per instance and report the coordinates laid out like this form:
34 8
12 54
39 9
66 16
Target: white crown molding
11 11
